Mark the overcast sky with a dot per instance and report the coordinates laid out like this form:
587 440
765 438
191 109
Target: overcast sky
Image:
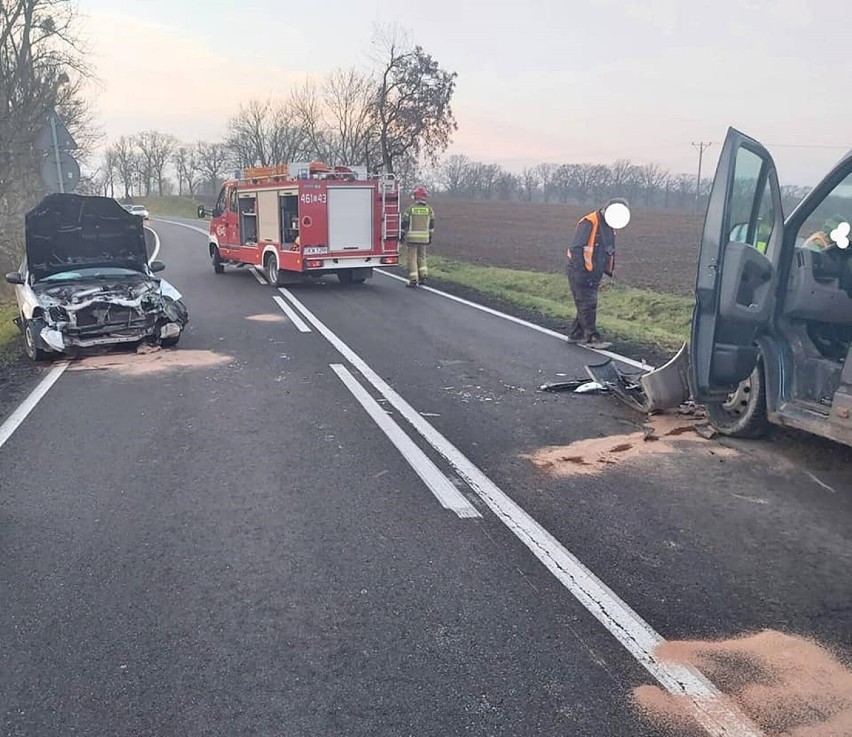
539 80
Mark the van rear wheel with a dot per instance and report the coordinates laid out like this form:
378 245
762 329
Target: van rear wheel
743 413
218 266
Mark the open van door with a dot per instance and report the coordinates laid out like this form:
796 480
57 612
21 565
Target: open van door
737 280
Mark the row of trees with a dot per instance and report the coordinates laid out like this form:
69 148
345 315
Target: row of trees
649 185
389 118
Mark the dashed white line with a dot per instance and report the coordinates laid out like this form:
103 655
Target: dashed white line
518 321
14 420
716 713
447 494
294 318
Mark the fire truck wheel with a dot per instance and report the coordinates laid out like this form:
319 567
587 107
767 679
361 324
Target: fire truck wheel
273 276
218 266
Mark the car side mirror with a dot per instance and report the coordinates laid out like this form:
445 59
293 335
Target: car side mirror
156 266
15 277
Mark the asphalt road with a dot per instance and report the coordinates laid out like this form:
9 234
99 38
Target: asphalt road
224 541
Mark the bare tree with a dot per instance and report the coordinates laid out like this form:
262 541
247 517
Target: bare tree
652 177
125 161
531 179
212 161
156 149
187 168
267 133
349 97
41 68
454 174
412 103
545 173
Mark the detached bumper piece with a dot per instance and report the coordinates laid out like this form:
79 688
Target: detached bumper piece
663 388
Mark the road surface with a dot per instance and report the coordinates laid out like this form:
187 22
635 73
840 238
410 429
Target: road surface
319 516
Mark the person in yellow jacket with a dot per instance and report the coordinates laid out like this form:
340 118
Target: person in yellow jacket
418 224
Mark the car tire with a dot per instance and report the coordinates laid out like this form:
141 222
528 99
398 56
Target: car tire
743 413
218 266
169 342
33 351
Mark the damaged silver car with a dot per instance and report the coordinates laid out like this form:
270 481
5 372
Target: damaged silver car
85 280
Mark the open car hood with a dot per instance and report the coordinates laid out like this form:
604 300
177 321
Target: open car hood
67 231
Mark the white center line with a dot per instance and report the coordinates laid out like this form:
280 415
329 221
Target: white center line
14 420
290 312
447 494
719 716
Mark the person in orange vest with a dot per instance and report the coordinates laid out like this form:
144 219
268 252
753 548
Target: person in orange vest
418 224
590 256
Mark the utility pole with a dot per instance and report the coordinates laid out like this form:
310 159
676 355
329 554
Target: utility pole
701 147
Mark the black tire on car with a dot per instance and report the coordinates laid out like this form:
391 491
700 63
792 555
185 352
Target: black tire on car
218 266
30 346
743 413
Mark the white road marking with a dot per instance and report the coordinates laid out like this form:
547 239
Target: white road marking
185 225
156 244
714 711
261 279
443 489
290 312
519 321
28 405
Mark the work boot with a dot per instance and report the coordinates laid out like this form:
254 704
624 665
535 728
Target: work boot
423 279
412 283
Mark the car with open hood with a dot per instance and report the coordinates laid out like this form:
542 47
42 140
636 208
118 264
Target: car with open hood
85 280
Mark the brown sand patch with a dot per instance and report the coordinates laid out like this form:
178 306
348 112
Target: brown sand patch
594 455
789 686
150 362
270 317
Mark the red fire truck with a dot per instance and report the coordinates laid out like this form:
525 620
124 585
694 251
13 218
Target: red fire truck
298 220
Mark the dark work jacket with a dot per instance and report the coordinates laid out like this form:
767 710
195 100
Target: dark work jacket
604 247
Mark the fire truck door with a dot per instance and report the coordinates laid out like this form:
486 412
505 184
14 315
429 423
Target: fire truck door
232 222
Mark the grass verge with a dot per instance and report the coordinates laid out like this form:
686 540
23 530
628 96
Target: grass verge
174 207
625 313
10 344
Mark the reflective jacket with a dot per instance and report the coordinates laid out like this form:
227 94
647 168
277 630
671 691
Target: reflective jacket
418 222
593 247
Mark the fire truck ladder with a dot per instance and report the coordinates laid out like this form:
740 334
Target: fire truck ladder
390 220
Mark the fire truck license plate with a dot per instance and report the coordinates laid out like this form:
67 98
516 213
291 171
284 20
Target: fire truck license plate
311 250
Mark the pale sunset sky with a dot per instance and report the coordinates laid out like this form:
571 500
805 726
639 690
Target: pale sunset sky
540 80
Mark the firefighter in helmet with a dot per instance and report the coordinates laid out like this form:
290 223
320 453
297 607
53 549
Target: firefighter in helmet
590 256
418 224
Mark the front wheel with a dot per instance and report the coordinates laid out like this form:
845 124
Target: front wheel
218 266
31 346
743 413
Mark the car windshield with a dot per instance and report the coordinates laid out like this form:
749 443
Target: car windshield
99 272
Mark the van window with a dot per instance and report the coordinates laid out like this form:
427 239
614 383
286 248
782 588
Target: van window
829 225
752 212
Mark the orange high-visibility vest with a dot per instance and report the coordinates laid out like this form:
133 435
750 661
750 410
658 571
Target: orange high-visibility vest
589 248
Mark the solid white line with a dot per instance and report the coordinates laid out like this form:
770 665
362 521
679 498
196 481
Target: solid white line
718 715
257 275
447 494
519 321
28 405
184 225
290 312
156 244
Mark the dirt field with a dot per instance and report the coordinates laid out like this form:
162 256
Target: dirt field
658 250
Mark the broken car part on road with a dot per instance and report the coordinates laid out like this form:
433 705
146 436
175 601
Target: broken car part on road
86 282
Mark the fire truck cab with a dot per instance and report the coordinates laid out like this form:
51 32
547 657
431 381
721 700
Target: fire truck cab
306 220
